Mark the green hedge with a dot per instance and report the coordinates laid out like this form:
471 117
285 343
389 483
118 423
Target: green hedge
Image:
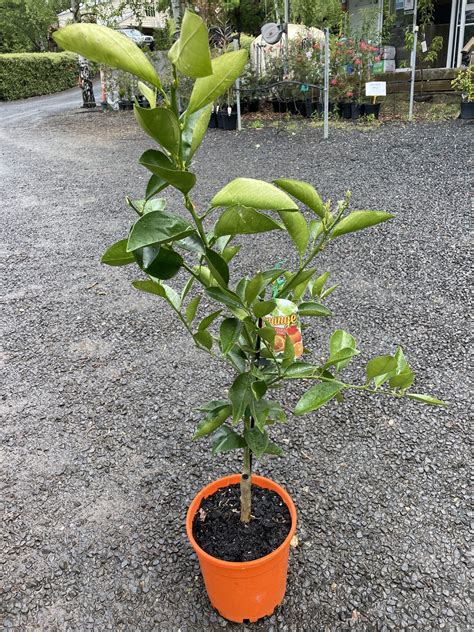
29 74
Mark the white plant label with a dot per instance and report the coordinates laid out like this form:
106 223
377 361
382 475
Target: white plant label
376 89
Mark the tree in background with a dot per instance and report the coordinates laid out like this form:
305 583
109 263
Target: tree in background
319 13
25 24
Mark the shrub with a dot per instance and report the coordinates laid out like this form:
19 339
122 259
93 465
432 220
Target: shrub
30 74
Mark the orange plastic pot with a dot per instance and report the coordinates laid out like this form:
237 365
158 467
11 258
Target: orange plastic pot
244 591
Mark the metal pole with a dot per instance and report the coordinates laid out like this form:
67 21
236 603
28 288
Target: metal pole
326 83
287 21
413 62
462 29
237 92
452 28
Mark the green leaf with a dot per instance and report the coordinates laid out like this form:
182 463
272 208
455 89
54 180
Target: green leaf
161 124
303 192
357 220
117 255
229 332
330 290
260 411
273 448
380 369
403 377
109 47
297 228
259 388
313 309
242 220
254 287
190 53
267 334
203 338
341 357
225 70
214 404
157 227
226 439
146 206
148 93
192 243
191 309
257 441
159 262
262 308
155 185
213 420
226 297
160 289
427 399
194 130
319 284
340 339
208 320
240 394
317 396
229 253
156 162
218 267
315 229
255 194
295 280
300 369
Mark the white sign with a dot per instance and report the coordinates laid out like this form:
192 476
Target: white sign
409 5
376 89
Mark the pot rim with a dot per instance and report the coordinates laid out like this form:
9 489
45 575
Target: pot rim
225 481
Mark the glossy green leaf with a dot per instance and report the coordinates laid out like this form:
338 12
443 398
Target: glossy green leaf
274 449
155 185
208 320
241 220
260 411
255 194
256 440
157 227
159 262
300 369
156 162
254 287
317 396
403 377
193 131
161 124
303 192
191 308
330 290
358 220
106 46
313 309
316 227
295 280
148 93
427 399
341 357
160 289
226 439
117 255
225 70
214 404
146 206
239 395
289 351
340 339
229 253
267 334
213 420
190 53
262 308
203 338
380 367
297 228
226 297
319 284
218 267
191 243
229 333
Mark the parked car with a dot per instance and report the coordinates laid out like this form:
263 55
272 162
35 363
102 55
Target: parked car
138 37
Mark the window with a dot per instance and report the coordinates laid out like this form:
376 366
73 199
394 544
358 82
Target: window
150 9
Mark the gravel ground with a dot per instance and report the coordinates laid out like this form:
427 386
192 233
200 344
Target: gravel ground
100 384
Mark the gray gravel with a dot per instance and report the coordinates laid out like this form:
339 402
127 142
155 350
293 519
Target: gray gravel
100 385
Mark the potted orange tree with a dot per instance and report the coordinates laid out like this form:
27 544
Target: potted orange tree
240 526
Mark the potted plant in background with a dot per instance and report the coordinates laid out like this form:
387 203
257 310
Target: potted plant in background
255 325
464 83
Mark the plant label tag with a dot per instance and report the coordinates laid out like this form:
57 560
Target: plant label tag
285 321
304 87
376 89
424 46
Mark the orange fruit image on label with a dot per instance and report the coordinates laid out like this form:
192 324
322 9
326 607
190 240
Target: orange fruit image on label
285 321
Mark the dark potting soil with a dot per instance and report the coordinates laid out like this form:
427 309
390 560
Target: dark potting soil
218 530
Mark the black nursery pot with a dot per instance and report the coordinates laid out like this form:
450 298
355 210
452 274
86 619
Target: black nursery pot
213 120
372 109
226 121
357 110
345 109
279 106
122 105
467 110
